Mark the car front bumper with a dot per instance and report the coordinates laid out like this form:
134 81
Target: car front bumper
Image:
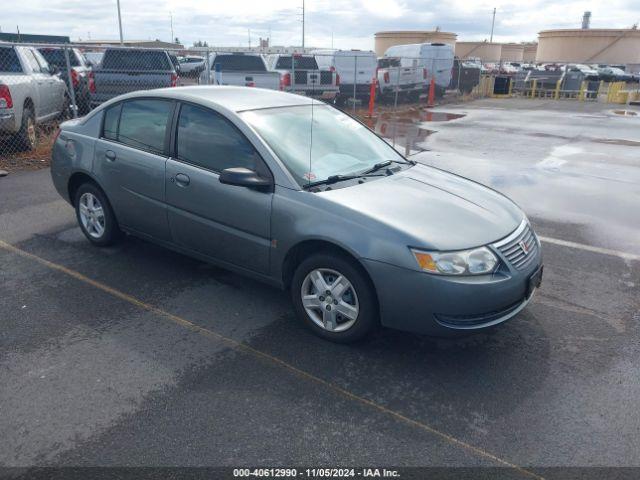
440 305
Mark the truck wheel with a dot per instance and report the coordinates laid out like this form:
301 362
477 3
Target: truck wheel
27 136
334 297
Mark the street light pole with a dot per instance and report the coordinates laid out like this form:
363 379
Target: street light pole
303 25
120 22
492 24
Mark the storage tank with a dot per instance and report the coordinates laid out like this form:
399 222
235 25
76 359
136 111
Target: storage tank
485 51
512 52
529 53
384 40
595 45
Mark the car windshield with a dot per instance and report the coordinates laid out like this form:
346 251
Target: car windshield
55 56
334 144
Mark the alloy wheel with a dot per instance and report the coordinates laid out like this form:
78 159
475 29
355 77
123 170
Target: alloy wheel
92 215
330 300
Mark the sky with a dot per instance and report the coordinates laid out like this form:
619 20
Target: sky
339 23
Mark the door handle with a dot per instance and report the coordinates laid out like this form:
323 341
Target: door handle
182 180
110 155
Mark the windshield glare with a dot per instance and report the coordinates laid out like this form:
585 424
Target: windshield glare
336 144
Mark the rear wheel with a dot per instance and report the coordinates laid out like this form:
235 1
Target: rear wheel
95 216
27 136
333 296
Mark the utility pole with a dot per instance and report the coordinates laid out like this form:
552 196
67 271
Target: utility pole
171 20
493 22
249 34
120 22
302 25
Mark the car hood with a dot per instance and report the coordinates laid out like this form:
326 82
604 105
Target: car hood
432 208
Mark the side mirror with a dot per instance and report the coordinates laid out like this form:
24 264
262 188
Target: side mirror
54 70
243 177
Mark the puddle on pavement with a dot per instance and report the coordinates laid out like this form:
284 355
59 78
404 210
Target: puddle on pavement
626 113
404 130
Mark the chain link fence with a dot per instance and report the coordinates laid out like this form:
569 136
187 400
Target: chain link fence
44 84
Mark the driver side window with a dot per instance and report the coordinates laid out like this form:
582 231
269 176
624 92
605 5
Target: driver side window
206 139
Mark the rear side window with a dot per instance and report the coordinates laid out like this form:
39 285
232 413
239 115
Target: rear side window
208 140
239 63
136 60
110 126
9 61
55 56
31 60
143 124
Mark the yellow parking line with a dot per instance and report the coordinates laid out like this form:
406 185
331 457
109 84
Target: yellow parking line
260 354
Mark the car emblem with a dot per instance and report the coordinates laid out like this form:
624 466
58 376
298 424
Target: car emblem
524 247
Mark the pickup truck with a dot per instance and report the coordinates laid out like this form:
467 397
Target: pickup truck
393 77
239 69
125 70
81 74
30 94
301 74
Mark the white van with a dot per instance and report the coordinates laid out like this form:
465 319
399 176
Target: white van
437 58
355 68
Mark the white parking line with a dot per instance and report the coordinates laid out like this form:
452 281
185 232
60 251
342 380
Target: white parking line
590 248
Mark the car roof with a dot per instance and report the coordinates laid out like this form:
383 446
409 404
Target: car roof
236 99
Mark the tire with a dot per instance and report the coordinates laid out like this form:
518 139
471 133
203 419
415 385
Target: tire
99 226
357 300
27 136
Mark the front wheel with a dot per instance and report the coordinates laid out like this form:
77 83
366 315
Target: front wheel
333 296
95 216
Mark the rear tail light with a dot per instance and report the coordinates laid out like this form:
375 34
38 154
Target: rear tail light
92 83
174 80
337 80
424 73
74 78
251 84
386 77
332 69
285 81
5 97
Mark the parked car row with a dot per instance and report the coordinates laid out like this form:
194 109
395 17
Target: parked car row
32 92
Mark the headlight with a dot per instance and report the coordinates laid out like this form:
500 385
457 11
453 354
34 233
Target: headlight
477 261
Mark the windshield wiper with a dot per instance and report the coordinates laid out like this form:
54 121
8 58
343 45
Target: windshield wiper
339 178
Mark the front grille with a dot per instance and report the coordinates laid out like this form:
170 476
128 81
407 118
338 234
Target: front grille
512 247
326 78
461 321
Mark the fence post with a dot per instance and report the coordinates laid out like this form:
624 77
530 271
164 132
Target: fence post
581 94
355 77
395 102
534 85
72 92
556 94
207 66
372 96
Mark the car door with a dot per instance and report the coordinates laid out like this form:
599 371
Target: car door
130 158
41 100
225 222
55 85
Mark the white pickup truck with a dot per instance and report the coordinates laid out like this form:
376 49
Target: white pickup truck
405 80
30 94
239 69
300 74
